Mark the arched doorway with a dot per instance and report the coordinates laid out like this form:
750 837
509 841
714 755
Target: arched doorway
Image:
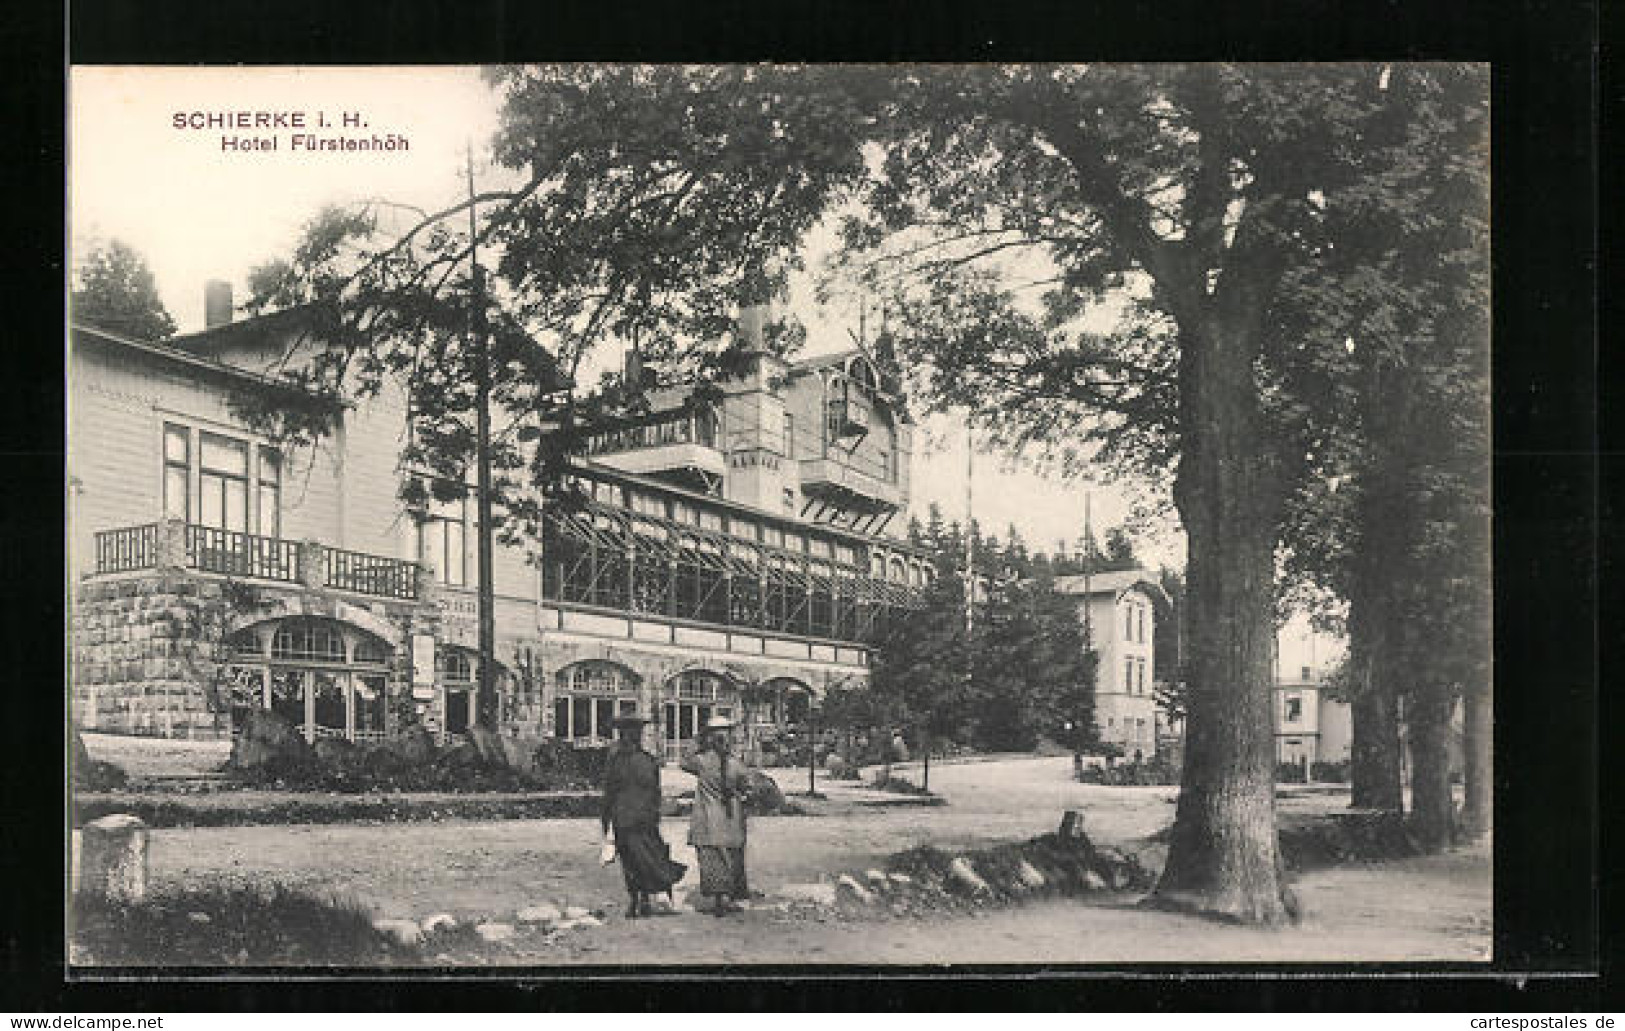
328 678
690 699
587 697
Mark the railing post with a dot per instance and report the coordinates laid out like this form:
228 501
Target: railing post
426 584
171 544
312 562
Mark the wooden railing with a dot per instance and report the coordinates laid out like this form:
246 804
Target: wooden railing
241 554
127 548
230 553
679 427
371 574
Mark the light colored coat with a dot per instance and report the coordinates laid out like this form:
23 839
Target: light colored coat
718 821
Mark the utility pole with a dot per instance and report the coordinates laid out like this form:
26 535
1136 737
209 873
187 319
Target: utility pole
1088 568
970 548
486 708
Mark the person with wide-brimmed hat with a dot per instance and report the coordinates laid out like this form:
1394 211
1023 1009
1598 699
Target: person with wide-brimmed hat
632 808
717 826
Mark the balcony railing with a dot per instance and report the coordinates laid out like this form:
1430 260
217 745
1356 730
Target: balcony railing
371 574
127 549
230 553
241 554
661 430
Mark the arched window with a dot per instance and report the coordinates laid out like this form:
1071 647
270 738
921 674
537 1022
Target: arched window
691 699
328 678
791 701
877 566
899 571
588 698
247 643
308 640
370 651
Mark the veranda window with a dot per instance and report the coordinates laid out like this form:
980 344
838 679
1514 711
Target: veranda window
223 483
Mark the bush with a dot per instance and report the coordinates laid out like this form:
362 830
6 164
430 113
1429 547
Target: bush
411 762
93 774
1159 772
1332 773
898 786
228 926
1289 773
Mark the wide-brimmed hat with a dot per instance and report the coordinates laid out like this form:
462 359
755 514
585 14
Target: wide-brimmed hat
719 723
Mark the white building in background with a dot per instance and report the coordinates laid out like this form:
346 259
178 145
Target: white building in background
1310 725
1118 614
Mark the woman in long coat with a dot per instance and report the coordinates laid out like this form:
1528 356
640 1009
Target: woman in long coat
632 806
717 827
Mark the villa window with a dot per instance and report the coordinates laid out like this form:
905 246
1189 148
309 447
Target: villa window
441 534
589 697
307 641
177 472
223 482
270 493
1294 708
327 678
1128 676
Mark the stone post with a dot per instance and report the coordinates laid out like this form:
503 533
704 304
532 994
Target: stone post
428 585
113 858
171 544
312 564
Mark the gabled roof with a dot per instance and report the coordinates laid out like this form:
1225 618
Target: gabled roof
202 340
1113 583
167 352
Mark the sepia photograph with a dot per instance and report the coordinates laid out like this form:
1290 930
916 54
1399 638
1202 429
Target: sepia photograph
730 516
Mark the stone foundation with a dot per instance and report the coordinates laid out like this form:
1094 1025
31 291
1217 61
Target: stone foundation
135 664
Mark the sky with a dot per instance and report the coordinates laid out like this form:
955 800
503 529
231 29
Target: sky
197 211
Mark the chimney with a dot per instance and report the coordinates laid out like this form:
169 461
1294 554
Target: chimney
752 325
217 310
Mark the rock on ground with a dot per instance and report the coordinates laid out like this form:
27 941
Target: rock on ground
820 893
962 871
439 922
402 932
494 932
539 915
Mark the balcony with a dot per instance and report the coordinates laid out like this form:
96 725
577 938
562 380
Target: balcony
208 549
850 485
680 445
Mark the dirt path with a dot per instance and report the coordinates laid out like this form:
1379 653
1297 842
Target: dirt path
1436 908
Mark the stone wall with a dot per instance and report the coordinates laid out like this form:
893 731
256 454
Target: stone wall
137 662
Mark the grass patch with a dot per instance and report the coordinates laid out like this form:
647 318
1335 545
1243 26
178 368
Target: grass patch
220 925
240 809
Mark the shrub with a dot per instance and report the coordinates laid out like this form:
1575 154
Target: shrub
1333 773
218 925
898 786
1289 773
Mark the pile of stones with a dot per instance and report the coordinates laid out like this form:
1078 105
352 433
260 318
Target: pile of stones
928 879
444 929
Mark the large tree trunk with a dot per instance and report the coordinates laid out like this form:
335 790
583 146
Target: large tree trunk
1224 856
1433 814
1374 762
1477 813
1374 780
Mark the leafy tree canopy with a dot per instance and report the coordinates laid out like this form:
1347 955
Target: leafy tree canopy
114 290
